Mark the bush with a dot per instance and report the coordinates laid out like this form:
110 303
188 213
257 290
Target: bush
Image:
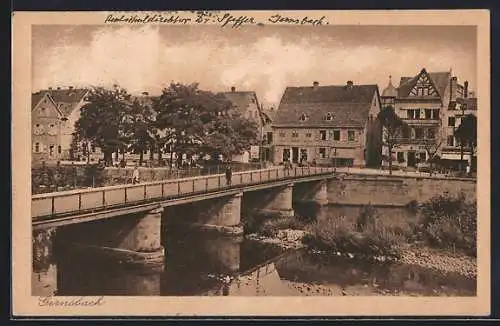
449 222
362 237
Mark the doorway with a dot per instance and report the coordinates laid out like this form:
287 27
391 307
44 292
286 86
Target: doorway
295 154
411 159
286 154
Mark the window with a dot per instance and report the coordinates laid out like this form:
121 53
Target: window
417 114
336 135
295 134
308 135
451 121
253 100
59 149
51 150
303 117
322 134
435 114
51 126
322 152
401 157
409 114
413 114
431 134
419 133
282 134
92 148
37 147
450 141
423 157
329 116
351 135
428 114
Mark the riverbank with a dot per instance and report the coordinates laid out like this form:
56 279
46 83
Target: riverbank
443 261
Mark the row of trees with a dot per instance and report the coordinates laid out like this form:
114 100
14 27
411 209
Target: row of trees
183 119
393 130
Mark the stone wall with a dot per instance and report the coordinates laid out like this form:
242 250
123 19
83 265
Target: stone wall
394 190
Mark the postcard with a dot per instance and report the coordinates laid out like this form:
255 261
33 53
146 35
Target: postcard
251 163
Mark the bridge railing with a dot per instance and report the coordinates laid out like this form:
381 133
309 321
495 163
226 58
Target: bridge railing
86 200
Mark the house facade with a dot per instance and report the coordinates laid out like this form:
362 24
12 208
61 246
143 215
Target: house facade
423 103
329 125
457 109
53 115
247 104
46 126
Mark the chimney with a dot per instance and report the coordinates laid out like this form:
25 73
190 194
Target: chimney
453 89
233 89
466 89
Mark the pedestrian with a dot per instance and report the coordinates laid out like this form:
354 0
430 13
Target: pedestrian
135 174
229 174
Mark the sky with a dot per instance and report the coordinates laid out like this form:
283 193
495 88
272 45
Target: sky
265 59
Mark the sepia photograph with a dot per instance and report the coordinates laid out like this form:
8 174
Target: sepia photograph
290 155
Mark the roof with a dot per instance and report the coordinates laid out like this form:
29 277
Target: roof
439 79
38 96
35 99
390 90
241 99
348 105
65 99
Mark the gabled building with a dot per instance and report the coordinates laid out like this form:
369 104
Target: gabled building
54 113
423 103
329 125
46 125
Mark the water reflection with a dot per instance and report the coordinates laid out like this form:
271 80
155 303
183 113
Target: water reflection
201 263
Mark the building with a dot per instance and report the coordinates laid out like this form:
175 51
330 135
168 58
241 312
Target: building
53 115
46 128
248 106
457 109
331 125
424 103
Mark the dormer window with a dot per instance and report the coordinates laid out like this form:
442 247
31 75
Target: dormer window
329 117
303 117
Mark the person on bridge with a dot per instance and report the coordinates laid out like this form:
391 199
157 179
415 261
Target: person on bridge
229 175
135 174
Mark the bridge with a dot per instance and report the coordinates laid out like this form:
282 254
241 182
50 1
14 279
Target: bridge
125 221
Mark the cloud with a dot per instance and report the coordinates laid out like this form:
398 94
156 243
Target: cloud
141 59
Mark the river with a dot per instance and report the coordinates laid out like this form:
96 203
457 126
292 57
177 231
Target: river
200 263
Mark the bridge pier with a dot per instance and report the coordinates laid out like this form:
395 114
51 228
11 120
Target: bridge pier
222 215
144 240
44 275
131 240
281 203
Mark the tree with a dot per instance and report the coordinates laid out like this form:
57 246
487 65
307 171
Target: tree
392 130
140 131
104 119
432 146
230 134
194 121
466 134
